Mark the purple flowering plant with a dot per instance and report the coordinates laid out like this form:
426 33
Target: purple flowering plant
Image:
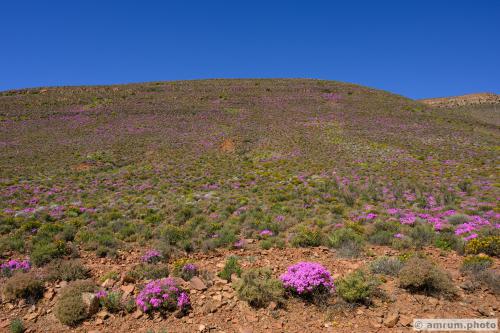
307 278
188 271
162 295
9 267
152 257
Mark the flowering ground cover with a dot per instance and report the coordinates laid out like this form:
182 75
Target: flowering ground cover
193 166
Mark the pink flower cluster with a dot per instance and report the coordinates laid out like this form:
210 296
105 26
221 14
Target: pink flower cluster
266 233
307 277
152 256
162 295
15 265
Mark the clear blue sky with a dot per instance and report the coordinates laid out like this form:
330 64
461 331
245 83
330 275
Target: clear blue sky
414 48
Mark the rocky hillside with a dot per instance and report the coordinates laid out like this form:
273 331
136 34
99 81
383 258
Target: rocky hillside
464 100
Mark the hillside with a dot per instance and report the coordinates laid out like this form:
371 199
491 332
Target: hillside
275 171
464 100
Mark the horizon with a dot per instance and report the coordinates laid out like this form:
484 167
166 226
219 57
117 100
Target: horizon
422 50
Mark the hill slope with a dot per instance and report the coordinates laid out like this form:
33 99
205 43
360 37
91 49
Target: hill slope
199 169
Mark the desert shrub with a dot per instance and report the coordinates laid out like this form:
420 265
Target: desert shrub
258 288
23 286
273 242
357 287
145 271
67 270
489 245
110 275
422 234
111 301
231 267
172 234
42 253
16 326
420 275
383 232
476 263
348 242
386 265
70 309
307 236
189 271
458 219
447 240
307 280
490 278
152 298
12 243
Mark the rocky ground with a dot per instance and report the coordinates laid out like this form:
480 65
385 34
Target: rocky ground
215 307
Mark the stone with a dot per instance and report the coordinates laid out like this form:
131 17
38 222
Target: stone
49 294
197 283
217 297
272 306
108 283
91 303
245 330
103 314
391 319
405 321
201 327
127 289
137 314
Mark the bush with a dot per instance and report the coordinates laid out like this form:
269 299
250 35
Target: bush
231 267
70 308
386 265
12 266
348 242
383 233
111 301
258 288
145 271
475 264
458 219
422 234
67 270
307 279
306 237
489 245
23 285
152 297
43 253
420 275
16 326
357 287
490 278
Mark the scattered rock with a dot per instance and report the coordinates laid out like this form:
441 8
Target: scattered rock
197 283
91 303
391 319
127 289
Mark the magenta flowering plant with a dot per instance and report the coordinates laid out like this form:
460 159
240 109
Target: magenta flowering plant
152 256
162 295
188 271
266 233
307 278
9 267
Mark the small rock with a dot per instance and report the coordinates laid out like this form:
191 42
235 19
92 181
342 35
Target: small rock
217 297
197 283
391 319
137 314
108 283
91 303
103 314
201 327
128 289
245 330
272 306
49 294
405 321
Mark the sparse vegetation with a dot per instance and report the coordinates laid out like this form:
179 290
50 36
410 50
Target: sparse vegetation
258 288
70 308
357 287
231 267
25 286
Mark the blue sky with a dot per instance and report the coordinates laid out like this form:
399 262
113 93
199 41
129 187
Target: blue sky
414 48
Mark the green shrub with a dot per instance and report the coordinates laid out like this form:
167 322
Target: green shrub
112 301
258 288
490 278
422 234
16 326
458 219
383 232
23 285
306 236
386 265
474 264
357 287
273 242
70 309
67 270
232 266
145 271
43 253
489 245
420 275
348 242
